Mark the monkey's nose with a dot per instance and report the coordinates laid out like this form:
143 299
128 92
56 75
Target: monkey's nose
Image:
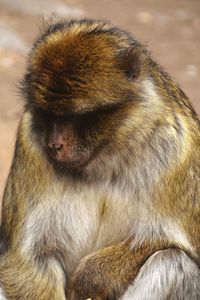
56 147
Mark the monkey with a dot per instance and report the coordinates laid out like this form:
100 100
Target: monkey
102 199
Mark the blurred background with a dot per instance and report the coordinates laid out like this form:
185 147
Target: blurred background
171 29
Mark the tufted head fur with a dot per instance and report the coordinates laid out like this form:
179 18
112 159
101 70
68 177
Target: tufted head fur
79 66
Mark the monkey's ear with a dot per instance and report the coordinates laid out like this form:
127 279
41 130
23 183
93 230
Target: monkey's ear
130 63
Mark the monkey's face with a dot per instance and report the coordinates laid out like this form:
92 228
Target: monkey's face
79 88
73 140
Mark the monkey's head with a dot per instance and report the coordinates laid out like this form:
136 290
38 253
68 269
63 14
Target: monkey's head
81 85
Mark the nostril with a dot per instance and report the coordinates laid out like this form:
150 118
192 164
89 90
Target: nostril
55 146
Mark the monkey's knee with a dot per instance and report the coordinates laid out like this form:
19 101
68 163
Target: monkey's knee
168 274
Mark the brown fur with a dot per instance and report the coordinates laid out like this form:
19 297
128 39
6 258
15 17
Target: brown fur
82 220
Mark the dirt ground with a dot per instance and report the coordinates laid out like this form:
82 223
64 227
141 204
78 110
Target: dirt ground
171 29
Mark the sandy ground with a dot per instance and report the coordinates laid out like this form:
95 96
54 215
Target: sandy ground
171 29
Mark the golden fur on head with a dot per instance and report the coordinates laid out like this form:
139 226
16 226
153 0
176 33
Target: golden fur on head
81 65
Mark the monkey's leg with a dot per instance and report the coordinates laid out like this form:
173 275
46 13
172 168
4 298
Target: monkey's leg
108 272
23 280
168 274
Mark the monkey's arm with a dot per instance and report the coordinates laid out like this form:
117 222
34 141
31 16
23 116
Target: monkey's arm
22 275
107 273
30 274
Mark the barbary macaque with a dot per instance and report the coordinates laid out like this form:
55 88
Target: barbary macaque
103 197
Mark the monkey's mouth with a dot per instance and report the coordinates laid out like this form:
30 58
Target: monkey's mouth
77 161
68 163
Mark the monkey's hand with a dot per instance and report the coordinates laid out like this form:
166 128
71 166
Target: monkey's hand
107 273
91 279
100 275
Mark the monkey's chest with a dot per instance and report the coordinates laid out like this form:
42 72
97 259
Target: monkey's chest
76 226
